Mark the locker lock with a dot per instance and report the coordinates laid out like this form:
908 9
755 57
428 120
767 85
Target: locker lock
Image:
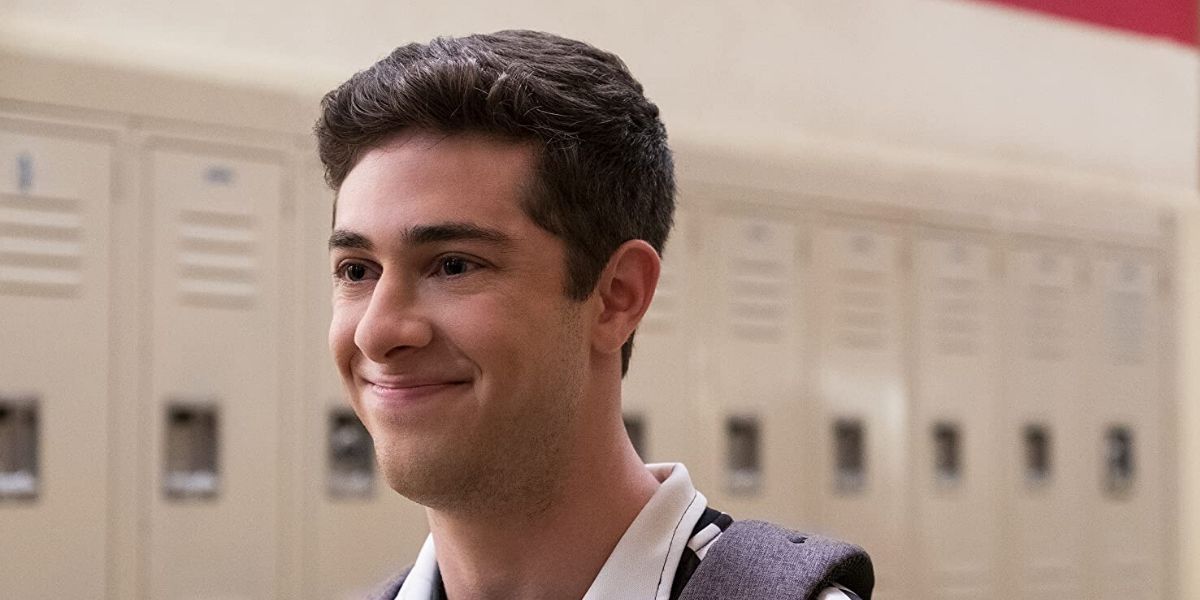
19 432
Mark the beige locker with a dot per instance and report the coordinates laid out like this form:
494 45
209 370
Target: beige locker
955 408
862 414
356 531
1047 459
55 207
754 368
658 394
1125 434
212 371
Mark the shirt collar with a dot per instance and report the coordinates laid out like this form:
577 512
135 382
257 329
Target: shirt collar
422 579
644 561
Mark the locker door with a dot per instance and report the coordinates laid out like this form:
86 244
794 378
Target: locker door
212 415
754 366
356 530
55 194
658 394
955 407
1045 452
1125 440
862 416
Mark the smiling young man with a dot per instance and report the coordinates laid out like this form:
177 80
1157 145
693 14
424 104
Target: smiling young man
502 203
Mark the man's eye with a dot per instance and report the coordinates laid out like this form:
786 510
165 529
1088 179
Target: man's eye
454 265
354 272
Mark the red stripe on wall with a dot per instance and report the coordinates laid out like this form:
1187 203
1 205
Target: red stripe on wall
1172 19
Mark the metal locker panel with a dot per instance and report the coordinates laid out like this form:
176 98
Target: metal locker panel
352 541
658 392
955 406
355 541
1045 453
754 366
55 206
213 411
1126 441
862 415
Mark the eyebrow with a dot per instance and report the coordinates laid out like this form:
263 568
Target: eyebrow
340 238
424 234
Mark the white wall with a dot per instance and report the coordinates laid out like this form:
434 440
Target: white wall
942 77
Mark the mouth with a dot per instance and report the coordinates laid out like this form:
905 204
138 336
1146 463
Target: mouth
399 394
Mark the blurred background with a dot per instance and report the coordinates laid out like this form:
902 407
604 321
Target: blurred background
935 288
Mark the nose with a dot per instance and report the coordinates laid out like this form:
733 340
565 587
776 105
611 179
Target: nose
392 323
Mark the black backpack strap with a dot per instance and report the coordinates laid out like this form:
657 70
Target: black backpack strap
754 560
688 561
710 516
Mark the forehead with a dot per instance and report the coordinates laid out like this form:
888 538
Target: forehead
423 176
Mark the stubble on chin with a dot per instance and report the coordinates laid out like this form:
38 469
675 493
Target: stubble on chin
516 474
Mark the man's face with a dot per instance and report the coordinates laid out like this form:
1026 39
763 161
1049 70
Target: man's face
455 340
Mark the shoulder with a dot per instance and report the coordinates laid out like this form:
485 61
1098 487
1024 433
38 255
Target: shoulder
755 559
390 588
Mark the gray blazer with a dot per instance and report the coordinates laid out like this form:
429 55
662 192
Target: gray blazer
754 560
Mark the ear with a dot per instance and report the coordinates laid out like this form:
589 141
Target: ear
624 290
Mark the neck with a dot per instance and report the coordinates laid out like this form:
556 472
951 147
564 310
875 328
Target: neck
556 551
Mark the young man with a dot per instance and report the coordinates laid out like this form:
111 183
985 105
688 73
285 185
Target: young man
502 203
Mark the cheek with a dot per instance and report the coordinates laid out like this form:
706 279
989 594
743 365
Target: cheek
534 339
491 332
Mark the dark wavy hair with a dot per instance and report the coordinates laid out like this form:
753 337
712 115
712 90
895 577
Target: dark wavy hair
604 173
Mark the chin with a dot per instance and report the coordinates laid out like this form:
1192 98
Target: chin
428 478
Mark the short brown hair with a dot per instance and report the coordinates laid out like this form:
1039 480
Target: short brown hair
604 172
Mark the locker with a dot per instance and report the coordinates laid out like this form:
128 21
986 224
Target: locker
1125 440
192 446
1034 457
19 443
354 530
213 371
358 531
635 428
754 367
658 392
861 418
955 407
350 457
55 208
743 463
1046 465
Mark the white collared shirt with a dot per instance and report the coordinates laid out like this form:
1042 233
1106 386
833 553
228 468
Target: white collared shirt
643 564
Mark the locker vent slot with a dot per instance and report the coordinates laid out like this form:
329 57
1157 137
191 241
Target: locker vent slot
192 437
1046 321
758 298
1119 465
850 455
1038 454
745 467
947 453
958 324
18 448
635 426
217 259
1127 305
351 456
860 313
41 246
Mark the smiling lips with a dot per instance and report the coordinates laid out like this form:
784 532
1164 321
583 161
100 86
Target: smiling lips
406 391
